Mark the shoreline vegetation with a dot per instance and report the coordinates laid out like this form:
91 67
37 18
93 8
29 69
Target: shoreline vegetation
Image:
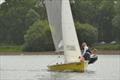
103 52
11 48
24 25
18 50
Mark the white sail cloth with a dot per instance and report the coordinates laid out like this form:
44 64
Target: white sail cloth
53 8
63 29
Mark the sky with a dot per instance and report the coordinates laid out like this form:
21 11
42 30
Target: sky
1 1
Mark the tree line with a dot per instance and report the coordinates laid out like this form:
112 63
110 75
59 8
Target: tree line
24 22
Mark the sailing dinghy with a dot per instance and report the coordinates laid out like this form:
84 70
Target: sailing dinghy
64 36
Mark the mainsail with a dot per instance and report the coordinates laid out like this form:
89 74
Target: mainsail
63 29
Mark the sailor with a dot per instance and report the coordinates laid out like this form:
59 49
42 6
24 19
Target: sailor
86 51
93 57
94 53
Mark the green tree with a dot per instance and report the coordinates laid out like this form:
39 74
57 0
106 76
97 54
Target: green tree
104 20
85 11
15 18
116 21
98 13
38 37
86 33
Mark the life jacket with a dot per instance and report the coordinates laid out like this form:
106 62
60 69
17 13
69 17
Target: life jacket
88 51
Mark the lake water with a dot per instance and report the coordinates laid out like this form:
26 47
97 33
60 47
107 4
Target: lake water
35 68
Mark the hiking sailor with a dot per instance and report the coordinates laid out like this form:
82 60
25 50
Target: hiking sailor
86 51
88 54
